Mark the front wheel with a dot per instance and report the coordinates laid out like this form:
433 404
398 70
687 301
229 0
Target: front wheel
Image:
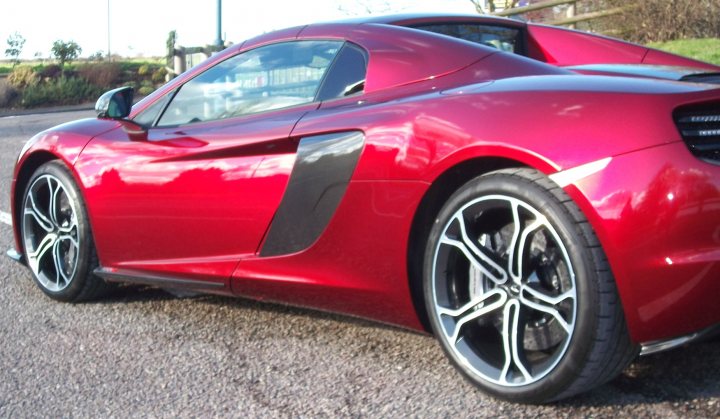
519 291
56 236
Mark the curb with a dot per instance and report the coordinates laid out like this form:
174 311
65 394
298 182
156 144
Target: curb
54 109
39 111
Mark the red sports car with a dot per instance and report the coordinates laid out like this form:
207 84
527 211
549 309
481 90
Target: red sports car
440 173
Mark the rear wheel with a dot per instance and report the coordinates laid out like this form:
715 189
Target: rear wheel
519 292
56 236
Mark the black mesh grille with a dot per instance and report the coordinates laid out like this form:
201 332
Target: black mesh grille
700 128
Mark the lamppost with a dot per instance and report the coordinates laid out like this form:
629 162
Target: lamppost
218 39
108 28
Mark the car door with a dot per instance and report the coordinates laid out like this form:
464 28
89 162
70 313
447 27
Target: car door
196 192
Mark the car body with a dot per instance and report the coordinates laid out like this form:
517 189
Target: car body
335 165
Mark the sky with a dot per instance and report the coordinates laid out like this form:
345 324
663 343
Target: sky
141 27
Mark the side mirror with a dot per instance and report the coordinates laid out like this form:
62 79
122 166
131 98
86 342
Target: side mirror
115 104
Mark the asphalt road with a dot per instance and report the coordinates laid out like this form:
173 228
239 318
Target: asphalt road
145 353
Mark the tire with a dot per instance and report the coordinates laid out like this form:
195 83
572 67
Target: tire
56 236
519 291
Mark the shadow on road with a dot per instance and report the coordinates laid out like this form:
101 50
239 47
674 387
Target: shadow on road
681 375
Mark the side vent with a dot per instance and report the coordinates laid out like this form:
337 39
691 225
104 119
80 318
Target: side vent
700 128
317 184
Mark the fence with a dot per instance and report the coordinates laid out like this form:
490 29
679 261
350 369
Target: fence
570 18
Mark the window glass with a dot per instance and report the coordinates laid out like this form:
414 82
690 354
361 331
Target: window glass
347 74
270 77
149 115
505 39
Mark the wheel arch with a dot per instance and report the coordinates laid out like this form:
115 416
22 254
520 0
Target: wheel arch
432 201
28 166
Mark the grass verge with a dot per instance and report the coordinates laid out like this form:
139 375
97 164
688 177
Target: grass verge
705 49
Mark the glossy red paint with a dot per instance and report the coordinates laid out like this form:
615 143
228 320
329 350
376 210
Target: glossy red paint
401 56
64 142
562 47
661 232
424 136
348 269
657 57
199 177
195 201
566 47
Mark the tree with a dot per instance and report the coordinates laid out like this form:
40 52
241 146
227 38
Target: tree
171 40
98 56
65 52
15 42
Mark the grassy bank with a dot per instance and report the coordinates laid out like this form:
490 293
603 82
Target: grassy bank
707 49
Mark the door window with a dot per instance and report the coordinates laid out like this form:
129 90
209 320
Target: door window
347 75
270 77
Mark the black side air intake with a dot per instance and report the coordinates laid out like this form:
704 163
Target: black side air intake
322 172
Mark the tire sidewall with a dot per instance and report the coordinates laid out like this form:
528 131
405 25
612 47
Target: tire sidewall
580 346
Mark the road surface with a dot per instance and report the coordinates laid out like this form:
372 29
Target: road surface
145 353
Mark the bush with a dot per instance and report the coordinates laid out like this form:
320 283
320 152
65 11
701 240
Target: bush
7 94
133 71
146 87
145 90
101 74
662 20
50 71
61 91
130 66
159 75
22 76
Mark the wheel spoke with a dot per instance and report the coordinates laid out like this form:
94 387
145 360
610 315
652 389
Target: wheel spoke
547 304
52 205
57 260
516 249
40 219
474 254
45 244
511 341
476 308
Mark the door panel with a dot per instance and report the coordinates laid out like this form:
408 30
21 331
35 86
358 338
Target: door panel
188 200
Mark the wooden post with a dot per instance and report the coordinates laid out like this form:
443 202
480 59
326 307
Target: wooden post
532 7
179 60
570 13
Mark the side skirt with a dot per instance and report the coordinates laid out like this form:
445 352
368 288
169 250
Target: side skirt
161 281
